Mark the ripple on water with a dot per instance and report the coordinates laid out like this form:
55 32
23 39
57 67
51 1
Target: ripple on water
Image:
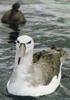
47 24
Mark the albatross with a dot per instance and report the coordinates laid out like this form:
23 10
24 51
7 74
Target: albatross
35 74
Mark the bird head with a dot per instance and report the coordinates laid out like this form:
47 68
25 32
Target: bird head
24 45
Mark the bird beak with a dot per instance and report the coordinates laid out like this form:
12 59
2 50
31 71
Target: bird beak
22 49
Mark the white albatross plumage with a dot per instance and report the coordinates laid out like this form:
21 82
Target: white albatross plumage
38 78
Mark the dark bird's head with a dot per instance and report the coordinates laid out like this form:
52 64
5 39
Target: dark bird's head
15 6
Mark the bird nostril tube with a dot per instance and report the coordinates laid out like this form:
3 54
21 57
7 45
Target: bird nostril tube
22 44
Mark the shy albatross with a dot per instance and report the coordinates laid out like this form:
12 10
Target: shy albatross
35 74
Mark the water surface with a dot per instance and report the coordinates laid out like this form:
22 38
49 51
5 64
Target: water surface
48 24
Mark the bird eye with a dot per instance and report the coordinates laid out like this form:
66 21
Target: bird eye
18 41
29 42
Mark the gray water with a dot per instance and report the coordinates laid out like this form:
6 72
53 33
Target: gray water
48 24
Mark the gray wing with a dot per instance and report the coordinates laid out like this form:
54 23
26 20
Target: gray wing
47 65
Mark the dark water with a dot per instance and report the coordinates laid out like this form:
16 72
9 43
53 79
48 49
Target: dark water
48 24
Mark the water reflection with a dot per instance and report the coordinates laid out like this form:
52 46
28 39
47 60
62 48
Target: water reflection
13 36
22 98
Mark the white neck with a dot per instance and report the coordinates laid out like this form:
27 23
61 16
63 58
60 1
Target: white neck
25 62
27 59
